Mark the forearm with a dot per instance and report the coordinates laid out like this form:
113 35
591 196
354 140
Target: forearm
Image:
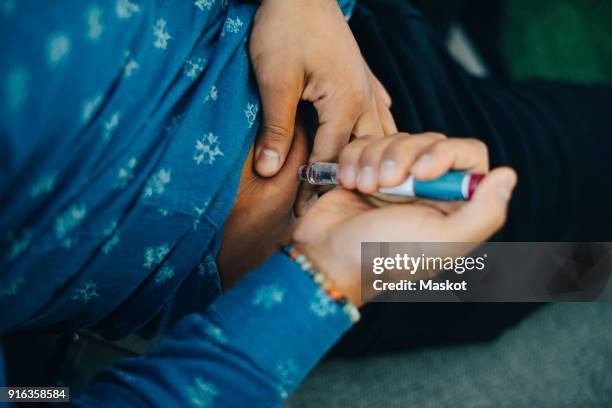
252 347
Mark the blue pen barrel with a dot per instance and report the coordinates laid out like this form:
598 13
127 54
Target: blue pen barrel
452 186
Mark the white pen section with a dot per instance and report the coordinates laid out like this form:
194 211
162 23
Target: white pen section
405 189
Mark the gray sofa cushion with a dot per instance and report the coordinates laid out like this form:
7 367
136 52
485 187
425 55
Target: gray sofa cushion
559 356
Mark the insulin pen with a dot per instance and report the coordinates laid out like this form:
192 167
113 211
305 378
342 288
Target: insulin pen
451 186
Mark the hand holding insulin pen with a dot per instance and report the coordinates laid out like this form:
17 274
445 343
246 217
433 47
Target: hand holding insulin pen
451 186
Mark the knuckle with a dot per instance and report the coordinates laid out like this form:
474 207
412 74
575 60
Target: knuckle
388 101
401 135
383 97
369 155
275 134
364 130
401 148
480 146
401 143
351 152
442 146
355 149
345 156
436 135
365 138
358 96
388 153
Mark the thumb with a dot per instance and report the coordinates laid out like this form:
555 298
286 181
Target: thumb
486 212
279 99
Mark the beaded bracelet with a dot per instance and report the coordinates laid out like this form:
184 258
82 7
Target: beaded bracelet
319 278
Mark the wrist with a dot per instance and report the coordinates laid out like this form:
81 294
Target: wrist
326 288
347 281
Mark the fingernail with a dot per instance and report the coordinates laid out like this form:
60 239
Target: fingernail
347 175
506 186
422 164
268 161
387 171
366 178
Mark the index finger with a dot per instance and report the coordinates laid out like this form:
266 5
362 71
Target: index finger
332 135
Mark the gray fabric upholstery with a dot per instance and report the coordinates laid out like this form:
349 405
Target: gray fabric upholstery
560 356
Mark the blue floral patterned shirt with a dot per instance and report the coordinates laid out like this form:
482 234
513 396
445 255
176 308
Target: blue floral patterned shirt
123 128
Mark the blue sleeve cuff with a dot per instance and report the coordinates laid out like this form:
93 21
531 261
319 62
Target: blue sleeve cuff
286 320
347 7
